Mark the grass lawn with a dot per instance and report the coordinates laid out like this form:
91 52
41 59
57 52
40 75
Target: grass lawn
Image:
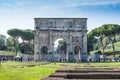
8 53
117 48
19 71
38 70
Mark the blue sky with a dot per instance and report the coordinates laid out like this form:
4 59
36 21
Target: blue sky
21 13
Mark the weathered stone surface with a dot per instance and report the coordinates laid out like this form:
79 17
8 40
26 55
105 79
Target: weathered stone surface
85 74
72 30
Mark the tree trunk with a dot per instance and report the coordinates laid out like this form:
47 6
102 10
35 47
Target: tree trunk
91 46
113 46
24 46
102 45
27 45
102 48
15 46
25 49
114 38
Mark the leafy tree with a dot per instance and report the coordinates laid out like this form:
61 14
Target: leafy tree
10 44
91 40
99 34
62 46
108 30
27 36
21 47
111 30
2 42
15 33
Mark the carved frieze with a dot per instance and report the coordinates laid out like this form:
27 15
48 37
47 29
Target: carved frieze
59 23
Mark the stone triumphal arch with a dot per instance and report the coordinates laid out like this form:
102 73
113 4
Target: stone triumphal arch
72 30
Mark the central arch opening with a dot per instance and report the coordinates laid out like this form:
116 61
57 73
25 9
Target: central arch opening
60 49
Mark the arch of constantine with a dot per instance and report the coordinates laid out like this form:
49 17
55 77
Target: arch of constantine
72 30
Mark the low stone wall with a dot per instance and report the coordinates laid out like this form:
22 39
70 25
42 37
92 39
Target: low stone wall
26 57
4 58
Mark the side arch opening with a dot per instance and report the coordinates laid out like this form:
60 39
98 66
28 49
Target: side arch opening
77 52
44 53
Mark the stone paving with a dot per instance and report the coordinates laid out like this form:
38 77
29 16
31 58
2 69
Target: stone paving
85 74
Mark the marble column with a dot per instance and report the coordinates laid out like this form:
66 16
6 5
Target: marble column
67 53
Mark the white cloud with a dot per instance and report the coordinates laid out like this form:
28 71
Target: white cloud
20 14
59 3
92 3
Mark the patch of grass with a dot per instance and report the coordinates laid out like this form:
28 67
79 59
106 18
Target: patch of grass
116 44
41 70
110 50
8 53
111 56
106 64
31 73
25 73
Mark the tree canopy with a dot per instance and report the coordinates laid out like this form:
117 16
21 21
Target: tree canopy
62 46
108 30
26 35
2 42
